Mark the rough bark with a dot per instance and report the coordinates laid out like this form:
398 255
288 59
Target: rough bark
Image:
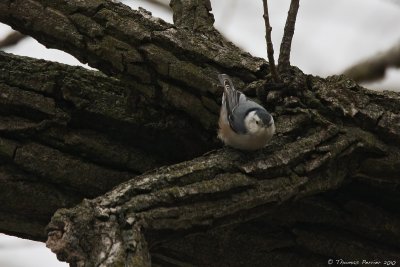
326 187
56 117
201 212
193 15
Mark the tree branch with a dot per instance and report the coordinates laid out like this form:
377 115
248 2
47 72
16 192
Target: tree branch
286 44
228 187
60 123
270 47
140 49
374 68
87 32
334 141
11 39
215 190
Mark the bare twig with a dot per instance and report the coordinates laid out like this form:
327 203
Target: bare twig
270 47
11 39
284 54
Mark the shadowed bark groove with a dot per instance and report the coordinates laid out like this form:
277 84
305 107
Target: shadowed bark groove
326 187
54 117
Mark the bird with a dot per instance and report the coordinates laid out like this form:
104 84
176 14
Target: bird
243 124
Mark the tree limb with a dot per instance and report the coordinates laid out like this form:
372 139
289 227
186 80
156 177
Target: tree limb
230 187
55 117
11 39
374 68
216 190
137 45
333 138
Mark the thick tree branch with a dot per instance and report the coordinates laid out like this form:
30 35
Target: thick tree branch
60 123
374 68
270 47
286 44
334 141
133 45
118 116
230 187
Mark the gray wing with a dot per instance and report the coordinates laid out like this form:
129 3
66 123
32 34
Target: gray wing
231 99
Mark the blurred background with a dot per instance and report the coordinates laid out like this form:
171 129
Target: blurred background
330 37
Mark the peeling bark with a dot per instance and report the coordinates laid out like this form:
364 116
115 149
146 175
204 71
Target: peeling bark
326 187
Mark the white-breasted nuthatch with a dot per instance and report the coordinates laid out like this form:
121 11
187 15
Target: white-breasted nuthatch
243 124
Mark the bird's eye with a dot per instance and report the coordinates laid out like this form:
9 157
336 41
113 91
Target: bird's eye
257 122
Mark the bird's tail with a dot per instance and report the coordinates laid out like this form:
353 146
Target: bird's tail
231 96
227 83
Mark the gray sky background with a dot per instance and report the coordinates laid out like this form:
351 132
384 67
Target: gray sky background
330 36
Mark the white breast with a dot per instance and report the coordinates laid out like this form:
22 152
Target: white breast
243 141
